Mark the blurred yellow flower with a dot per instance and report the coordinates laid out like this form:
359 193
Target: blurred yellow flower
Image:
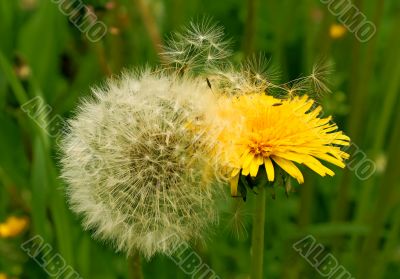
265 132
28 5
13 226
337 31
3 276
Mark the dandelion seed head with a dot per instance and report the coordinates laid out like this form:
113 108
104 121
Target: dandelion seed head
137 164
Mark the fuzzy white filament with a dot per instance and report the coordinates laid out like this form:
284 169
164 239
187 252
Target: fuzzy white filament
137 163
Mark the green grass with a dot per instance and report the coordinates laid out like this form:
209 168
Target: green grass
357 221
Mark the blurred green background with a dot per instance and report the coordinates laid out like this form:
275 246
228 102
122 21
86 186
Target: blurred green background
355 217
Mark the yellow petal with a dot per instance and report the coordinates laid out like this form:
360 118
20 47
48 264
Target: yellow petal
341 142
324 121
344 155
269 168
329 158
245 153
290 168
316 112
330 129
247 160
316 166
235 172
291 156
254 167
246 171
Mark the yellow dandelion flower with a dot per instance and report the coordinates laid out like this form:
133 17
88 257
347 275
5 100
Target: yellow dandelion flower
260 131
13 226
3 276
337 31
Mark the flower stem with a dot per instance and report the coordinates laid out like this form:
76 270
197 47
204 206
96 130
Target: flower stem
250 27
150 24
135 266
257 250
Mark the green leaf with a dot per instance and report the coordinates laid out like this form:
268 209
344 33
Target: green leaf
8 16
13 159
41 41
15 84
40 189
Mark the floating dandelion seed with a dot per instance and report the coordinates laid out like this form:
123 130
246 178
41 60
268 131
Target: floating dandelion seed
137 164
237 220
319 78
258 70
197 48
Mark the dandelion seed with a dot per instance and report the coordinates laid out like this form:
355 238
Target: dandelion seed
258 68
295 89
198 47
319 77
238 220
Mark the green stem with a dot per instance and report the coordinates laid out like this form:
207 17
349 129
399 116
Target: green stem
135 266
250 27
257 250
150 23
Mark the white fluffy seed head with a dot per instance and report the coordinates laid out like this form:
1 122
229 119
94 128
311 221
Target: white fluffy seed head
137 162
